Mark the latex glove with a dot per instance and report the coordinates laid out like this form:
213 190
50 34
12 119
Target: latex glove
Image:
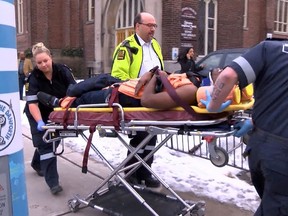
243 127
40 123
208 100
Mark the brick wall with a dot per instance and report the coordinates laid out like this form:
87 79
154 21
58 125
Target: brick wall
39 22
171 24
61 24
256 26
230 24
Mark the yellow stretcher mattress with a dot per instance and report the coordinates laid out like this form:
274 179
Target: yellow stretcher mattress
242 106
105 116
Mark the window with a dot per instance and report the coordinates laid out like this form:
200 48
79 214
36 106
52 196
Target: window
213 61
281 16
20 17
230 57
208 12
124 22
91 10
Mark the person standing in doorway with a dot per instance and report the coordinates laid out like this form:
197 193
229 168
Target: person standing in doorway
134 58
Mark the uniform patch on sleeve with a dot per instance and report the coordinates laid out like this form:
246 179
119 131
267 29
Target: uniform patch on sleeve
285 48
121 55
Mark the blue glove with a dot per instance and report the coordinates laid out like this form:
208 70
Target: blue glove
208 100
243 127
40 123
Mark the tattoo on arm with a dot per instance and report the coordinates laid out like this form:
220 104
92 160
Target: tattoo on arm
217 90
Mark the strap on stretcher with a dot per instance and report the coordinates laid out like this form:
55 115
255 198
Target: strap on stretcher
92 129
113 99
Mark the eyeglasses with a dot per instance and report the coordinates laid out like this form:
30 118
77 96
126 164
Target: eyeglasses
150 25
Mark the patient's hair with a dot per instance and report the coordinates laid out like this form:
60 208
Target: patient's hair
40 48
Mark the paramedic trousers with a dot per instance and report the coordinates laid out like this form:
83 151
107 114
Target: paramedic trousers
268 163
47 161
21 78
142 172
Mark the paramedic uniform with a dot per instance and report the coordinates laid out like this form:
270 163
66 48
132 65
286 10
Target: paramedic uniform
61 79
266 66
128 63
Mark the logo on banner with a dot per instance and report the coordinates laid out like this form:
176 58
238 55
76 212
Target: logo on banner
7 124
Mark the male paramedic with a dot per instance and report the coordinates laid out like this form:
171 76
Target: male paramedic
266 66
133 58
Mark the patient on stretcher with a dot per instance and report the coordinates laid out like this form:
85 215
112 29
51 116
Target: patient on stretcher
129 94
139 92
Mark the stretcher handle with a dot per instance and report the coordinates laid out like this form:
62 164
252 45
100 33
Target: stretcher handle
47 134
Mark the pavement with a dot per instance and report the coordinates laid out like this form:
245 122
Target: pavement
74 182
42 202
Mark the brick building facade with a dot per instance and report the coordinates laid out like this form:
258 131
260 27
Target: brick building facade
84 33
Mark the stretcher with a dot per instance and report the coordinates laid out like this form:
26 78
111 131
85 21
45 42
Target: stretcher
114 195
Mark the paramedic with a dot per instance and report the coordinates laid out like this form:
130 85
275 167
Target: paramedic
53 79
133 58
265 65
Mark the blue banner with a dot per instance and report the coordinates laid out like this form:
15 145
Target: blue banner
9 82
8 36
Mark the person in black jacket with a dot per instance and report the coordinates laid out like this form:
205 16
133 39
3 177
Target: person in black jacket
53 79
187 62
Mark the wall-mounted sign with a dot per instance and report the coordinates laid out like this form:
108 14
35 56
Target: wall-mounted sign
188 26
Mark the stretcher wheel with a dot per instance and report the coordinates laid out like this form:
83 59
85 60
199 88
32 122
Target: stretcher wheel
221 159
73 205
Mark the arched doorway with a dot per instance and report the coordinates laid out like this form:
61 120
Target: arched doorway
118 17
124 26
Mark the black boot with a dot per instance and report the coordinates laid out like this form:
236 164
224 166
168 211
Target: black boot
47 99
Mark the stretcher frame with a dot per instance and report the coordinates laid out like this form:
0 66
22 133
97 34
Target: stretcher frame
218 156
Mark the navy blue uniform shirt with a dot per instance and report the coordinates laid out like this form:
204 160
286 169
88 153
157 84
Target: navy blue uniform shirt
266 66
61 78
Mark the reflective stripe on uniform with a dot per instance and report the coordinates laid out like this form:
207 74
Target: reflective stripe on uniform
31 97
47 156
247 68
147 148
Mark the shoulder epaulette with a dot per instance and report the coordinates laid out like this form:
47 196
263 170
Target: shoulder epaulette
126 44
66 66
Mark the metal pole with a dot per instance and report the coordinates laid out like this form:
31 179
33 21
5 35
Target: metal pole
13 195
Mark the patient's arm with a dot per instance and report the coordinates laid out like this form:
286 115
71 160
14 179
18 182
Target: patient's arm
162 100
143 81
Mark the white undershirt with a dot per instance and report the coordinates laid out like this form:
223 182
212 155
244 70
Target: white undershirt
150 58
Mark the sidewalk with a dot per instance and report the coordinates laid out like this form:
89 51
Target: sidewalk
74 182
